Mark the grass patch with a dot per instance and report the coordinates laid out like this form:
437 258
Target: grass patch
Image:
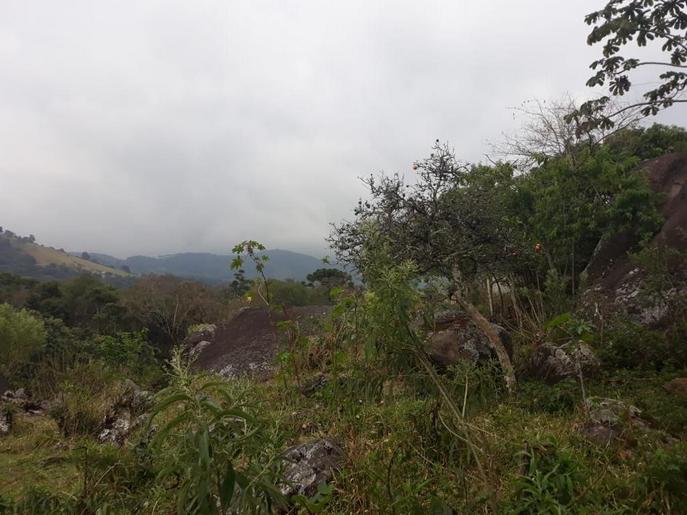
35 454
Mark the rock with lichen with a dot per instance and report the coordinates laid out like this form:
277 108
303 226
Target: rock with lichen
309 465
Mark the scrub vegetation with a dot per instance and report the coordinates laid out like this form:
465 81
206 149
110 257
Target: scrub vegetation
506 337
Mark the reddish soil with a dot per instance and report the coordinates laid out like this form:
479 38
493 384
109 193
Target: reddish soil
249 342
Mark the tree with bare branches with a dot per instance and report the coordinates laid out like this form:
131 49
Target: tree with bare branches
550 130
168 305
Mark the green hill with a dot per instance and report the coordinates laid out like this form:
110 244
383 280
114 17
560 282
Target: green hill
23 256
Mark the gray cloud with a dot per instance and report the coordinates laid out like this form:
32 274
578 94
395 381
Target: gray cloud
161 126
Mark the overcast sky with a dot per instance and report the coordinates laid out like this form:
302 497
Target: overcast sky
151 127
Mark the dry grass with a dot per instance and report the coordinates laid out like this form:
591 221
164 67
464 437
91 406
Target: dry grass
36 455
46 256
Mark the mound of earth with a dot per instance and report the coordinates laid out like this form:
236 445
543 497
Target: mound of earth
616 284
249 342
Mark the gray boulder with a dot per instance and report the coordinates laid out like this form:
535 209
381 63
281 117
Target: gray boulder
457 339
202 332
126 414
118 428
608 419
5 421
553 363
198 348
19 393
134 397
17 397
309 465
22 400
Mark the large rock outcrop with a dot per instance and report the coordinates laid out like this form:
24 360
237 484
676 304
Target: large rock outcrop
616 284
248 343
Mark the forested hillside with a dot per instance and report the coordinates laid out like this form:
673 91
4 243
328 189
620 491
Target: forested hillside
21 255
212 267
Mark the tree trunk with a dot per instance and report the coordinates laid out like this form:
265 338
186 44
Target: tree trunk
494 339
490 296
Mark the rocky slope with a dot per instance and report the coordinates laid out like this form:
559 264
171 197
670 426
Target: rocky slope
616 283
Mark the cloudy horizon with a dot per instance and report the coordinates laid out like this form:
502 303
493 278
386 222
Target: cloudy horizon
156 127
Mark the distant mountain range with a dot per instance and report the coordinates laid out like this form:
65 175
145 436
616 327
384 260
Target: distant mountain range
283 264
22 255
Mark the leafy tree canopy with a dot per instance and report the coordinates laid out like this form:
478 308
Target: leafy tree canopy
168 305
621 22
329 277
454 217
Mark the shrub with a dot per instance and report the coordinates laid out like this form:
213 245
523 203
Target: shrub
566 327
66 349
130 354
549 482
39 500
664 481
632 346
290 293
478 386
214 447
21 334
168 305
84 399
556 399
114 479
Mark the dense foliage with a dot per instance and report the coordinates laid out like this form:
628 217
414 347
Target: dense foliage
21 334
487 219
